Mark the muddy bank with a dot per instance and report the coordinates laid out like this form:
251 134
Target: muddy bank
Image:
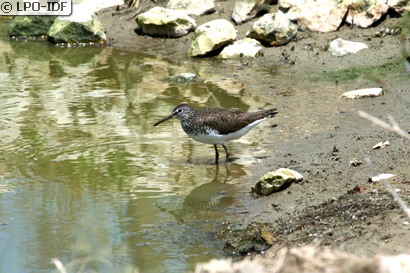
318 135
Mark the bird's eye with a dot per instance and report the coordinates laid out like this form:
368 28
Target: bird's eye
179 110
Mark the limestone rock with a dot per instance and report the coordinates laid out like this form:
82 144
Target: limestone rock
245 10
340 47
29 26
64 31
165 22
381 145
192 7
275 181
399 5
211 36
246 47
273 28
380 177
365 13
319 15
85 10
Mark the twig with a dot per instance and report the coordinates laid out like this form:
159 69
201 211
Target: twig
393 127
403 205
393 193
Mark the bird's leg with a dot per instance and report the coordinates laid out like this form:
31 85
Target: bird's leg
216 154
227 153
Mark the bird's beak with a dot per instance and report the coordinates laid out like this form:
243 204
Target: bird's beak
164 119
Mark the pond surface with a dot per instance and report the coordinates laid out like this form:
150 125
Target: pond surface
85 177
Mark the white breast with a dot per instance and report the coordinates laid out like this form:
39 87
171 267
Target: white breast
214 138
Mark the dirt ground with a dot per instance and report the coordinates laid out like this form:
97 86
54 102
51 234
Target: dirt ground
318 135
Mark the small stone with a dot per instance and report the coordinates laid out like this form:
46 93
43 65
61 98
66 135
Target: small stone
399 5
362 93
274 29
275 181
67 31
245 10
365 13
340 47
355 163
381 145
165 22
246 47
318 15
30 26
379 177
192 7
211 36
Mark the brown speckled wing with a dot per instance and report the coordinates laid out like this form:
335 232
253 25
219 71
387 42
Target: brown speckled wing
228 121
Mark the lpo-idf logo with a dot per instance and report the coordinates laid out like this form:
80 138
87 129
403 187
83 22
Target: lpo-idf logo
35 7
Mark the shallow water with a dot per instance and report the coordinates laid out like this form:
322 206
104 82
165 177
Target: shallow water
87 179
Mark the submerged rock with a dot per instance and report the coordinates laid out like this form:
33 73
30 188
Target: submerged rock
30 26
273 28
192 7
165 22
363 93
64 31
245 10
183 78
319 15
211 36
340 47
276 181
242 48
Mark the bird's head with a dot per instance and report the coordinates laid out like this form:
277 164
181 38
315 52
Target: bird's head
182 111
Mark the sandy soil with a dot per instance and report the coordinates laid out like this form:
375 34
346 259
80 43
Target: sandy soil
318 134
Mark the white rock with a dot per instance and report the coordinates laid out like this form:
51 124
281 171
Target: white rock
83 11
273 28
192 7
275 181
165 22
362 93
245 10
381 145
246 47
382 176
318 15
399 5
365 13
340 47
211 36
